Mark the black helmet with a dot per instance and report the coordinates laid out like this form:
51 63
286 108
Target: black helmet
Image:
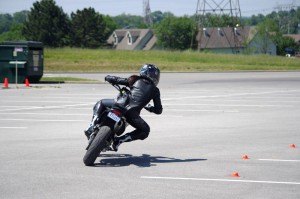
151 72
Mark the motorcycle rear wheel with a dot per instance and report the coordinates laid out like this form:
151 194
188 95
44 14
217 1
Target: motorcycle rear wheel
98 144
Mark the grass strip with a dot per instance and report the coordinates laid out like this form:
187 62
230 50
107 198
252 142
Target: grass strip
99 60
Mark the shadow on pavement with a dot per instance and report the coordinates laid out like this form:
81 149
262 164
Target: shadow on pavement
145 160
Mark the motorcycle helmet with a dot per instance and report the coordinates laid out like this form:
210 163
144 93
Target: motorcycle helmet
150 71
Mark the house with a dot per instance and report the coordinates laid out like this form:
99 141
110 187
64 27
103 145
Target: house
235 40
132 39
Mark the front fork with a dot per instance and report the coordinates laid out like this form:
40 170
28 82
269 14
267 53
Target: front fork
93 135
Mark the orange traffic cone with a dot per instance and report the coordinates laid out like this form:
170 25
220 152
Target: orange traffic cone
6 82
292 145
27 82
235 174
245 157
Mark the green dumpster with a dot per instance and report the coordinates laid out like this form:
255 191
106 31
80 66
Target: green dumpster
21 59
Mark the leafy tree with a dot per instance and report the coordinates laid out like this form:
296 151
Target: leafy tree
15 33
47 23
283 42
6 20
20 17
110 26
129 21
264 29
175 33
158 16
90 29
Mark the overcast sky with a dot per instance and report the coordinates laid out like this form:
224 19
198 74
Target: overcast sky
135 7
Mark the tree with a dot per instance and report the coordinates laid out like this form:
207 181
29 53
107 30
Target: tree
20 17
11 26
175 33
47 23
263 30
15 33
158 16
110 26
129 21
90 29
6 20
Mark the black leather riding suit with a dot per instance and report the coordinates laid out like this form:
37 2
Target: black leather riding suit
141 93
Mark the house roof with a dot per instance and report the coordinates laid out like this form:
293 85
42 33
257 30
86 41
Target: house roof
225 37
296 37
131 39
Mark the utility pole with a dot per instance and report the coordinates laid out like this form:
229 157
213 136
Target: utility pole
147 13
206 8
287 20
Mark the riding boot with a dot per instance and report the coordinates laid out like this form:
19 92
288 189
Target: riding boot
119 140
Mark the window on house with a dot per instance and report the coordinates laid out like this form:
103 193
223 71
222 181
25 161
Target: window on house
220 32
205 33
115 38
129 38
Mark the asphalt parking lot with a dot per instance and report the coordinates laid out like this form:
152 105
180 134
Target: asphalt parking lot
210 121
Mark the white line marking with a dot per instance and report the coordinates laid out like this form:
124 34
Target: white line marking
35 120
228 95
278 160
46 107
48 114
235 105
181 110
220 180
8 127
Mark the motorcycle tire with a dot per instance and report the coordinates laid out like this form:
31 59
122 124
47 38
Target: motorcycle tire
98 144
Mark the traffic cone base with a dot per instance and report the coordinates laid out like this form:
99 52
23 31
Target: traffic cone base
235 174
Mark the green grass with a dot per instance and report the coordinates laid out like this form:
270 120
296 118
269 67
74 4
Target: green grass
87 60
66 79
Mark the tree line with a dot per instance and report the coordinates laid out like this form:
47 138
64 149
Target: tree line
86 28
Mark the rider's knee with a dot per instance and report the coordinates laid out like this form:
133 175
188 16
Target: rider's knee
144 135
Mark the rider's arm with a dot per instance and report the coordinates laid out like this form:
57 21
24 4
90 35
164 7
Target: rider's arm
117 80
157 108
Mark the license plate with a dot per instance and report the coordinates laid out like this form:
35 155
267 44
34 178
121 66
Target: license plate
113 116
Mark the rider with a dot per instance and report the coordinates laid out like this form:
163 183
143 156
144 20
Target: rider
143 89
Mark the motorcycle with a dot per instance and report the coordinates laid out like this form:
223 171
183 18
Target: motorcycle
111 123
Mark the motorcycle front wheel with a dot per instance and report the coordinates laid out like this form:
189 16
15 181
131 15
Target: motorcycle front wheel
98 144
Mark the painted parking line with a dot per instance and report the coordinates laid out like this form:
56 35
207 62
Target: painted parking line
220 180
204 110
48 114
279 160
46 107
229 95
229 105
12 127
39 120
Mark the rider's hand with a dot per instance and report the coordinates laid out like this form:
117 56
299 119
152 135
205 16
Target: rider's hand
111 79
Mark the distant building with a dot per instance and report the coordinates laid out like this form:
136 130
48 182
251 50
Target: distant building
235 40
132 39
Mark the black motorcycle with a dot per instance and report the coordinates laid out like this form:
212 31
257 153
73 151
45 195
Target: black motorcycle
111 123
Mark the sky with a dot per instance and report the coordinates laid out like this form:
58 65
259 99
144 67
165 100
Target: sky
135 7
